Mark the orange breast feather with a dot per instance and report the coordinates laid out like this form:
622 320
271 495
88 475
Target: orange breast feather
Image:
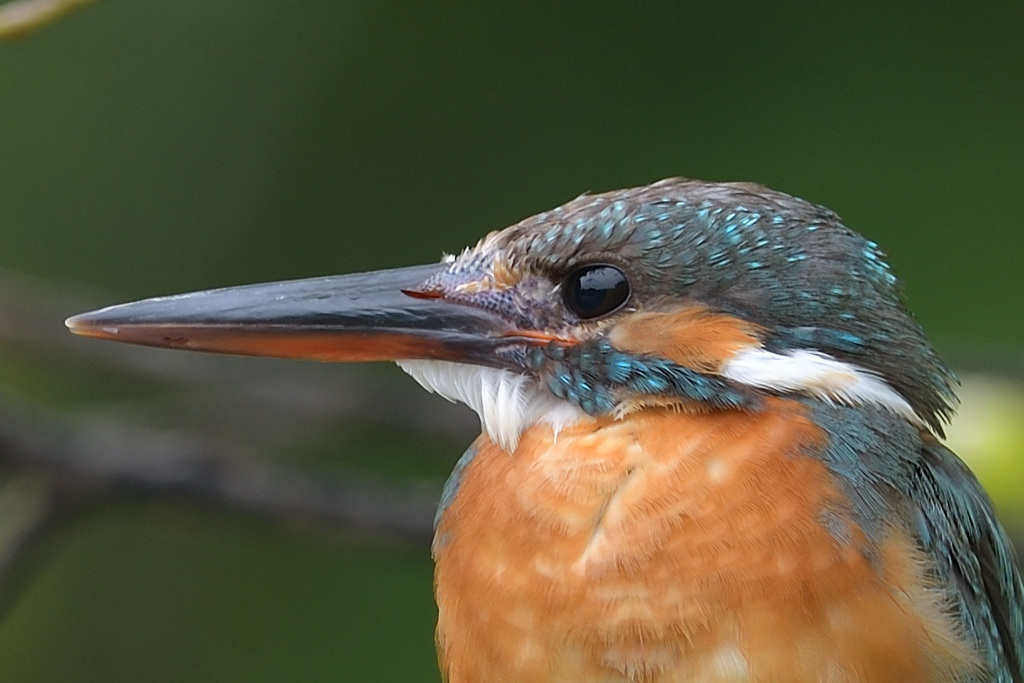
669 546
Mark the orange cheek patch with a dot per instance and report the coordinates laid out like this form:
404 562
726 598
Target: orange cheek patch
693 337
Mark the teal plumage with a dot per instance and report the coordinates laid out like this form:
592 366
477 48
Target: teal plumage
973 558
893 474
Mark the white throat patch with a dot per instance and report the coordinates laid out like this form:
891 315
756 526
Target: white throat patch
507 403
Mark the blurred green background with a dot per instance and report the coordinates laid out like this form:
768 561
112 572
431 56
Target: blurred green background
155 147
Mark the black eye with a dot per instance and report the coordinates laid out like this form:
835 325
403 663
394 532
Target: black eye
595 290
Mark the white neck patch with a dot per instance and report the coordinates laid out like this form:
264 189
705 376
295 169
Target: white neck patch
507 403
818 375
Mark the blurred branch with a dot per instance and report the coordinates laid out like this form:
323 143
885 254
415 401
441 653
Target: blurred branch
61 465
19 17
87 458
29 510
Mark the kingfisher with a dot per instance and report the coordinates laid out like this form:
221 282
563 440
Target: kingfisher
711 444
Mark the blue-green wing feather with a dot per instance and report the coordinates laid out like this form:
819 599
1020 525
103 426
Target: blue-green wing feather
974 557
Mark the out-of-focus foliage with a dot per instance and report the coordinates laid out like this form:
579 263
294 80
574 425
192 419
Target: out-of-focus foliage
988 433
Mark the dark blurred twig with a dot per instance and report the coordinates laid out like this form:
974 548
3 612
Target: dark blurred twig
19 17
85 457
29 509
57 462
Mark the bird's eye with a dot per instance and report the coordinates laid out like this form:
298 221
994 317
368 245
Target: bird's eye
595 290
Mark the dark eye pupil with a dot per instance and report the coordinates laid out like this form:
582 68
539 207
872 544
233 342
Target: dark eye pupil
596 290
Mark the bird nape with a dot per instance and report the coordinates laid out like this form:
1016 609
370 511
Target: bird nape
710 451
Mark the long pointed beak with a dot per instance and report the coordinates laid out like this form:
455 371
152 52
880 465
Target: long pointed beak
360 317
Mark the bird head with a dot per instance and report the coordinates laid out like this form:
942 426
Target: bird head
696 295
